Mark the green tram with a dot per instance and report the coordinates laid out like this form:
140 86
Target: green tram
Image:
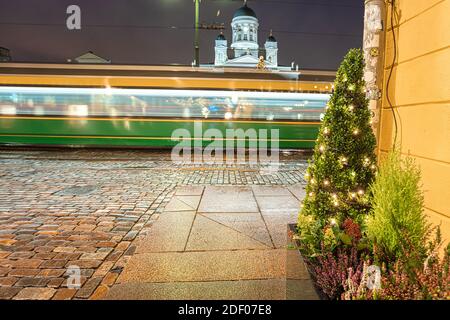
142 111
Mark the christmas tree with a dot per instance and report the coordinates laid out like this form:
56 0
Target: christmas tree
343 164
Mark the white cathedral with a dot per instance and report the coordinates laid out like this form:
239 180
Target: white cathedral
245 48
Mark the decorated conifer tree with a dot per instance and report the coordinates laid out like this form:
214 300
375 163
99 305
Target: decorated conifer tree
343 164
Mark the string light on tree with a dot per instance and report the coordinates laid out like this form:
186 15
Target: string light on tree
366 161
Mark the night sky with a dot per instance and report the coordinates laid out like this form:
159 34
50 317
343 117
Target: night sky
314 33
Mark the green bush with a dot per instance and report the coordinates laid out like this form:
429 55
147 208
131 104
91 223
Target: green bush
397 223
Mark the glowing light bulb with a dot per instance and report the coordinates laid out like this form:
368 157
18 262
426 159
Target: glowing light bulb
313 181
322 148
333 222
228 115
353 195
311 194
360 192
334 195
373 167
326 130
351 107
335 203
326 183
355 132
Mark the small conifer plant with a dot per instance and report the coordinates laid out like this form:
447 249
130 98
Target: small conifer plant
343 163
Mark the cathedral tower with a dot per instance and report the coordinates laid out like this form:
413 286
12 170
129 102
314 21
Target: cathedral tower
221 50
271 47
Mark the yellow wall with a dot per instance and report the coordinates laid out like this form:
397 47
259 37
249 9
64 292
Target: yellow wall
420 93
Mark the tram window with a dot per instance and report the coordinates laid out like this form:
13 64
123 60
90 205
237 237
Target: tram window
190 104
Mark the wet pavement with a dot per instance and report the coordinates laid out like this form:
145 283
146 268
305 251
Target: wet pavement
141 227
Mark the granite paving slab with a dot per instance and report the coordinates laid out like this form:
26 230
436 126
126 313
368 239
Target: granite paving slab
182 203
208 234
298 191
277 228
169 233
270 289
205 266
278 204
270 191
249 223
189 191
227 199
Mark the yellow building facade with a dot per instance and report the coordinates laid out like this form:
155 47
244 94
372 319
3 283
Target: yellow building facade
419 93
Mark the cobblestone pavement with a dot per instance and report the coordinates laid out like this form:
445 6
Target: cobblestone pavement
65 207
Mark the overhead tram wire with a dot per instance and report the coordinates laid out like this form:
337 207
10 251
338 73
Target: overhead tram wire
300 3
176 28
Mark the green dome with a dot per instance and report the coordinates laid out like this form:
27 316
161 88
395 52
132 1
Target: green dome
244 11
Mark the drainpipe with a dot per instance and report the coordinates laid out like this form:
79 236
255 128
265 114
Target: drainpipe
374 46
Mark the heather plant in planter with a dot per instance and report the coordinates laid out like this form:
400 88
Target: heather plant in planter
402 281
332 271
343 165
426 282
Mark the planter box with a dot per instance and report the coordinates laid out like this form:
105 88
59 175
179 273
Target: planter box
297 267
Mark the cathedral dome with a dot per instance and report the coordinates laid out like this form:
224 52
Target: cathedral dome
221 37
244 11
271 38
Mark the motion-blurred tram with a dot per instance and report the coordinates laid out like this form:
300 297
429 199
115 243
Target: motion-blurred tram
137 106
